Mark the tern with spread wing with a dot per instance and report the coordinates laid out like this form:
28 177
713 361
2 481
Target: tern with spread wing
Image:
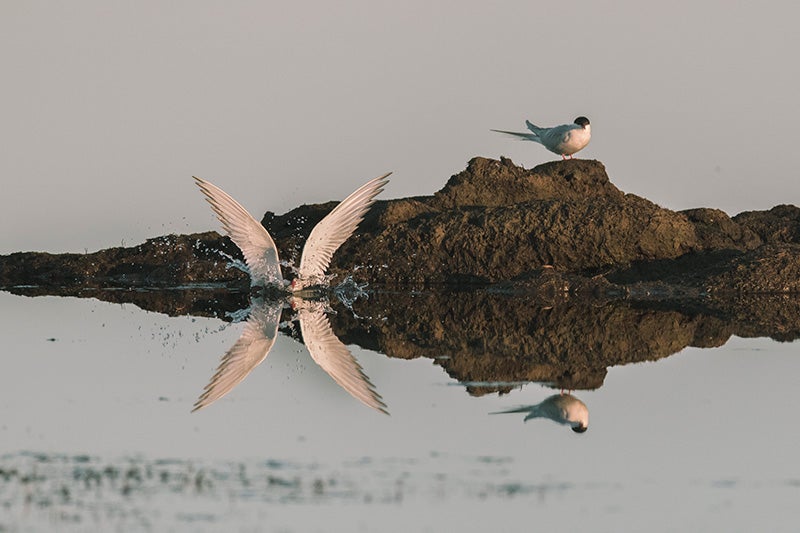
563 140
562 408
261 328
259 250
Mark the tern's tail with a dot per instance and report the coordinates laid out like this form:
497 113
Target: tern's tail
526 136
520 409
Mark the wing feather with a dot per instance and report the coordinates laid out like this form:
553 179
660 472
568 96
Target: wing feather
336 360
533 127
335 228
250 349
526 136
552 137
258 248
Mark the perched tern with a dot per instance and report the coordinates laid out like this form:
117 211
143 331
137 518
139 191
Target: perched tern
563 140
562 408
259 250
258 337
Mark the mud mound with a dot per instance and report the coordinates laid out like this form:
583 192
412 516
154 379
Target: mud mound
494 222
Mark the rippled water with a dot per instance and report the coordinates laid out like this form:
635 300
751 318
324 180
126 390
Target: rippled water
97 433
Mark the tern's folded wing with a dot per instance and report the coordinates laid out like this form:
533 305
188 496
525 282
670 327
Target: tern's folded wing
552 137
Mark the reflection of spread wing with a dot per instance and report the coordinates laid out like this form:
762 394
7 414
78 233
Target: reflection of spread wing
335 228
335 359
250 349
253 240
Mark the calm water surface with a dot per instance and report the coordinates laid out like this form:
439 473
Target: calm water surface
97 435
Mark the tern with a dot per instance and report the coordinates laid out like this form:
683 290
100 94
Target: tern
562 408
563 140
259 250
261 329
258 337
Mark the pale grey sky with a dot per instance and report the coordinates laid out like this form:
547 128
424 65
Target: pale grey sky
108 108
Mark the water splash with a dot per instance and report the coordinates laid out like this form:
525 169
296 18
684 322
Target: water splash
234 262
239 315
348 291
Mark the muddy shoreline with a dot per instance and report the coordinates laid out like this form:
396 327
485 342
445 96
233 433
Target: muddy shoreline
559 226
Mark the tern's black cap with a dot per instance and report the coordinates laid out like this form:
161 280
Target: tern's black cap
582 121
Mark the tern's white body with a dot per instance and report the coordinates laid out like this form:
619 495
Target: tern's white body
563 140
562 408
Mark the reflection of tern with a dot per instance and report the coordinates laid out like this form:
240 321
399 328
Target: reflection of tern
258 337
562 408
563 140
250 349
332 355
259 250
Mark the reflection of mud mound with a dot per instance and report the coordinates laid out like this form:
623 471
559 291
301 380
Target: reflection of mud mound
481 337
496 338
503 338
776 316
207 302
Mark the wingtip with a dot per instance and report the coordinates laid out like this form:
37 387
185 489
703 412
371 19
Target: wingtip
200 182
381 181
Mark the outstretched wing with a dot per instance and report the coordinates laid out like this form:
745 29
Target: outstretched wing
253 240
335 359
526 136
247 353
335 228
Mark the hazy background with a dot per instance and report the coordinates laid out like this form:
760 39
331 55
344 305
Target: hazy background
108 108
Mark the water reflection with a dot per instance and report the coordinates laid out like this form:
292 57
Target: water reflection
249 350
564 409
258 337
492 342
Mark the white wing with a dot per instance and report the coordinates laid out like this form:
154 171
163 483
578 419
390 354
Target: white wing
552 137
247 353
335 359
335 228
253 240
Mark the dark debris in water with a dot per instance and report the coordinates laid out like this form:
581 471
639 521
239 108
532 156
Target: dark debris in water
136 492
